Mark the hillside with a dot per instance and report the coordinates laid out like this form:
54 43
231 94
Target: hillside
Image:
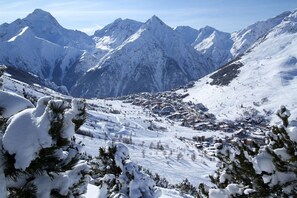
262 79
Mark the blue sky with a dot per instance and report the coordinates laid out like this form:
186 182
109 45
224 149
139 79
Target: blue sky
89 15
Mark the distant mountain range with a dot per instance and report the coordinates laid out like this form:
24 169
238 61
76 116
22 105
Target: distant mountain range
125 56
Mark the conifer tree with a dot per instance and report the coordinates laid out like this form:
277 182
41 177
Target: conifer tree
2 70
185 187
117 176
46 162
2 120
258 170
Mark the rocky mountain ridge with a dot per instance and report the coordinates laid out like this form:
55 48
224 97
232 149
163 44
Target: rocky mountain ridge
124 57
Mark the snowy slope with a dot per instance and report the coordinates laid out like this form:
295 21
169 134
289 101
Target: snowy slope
133 121
264 78
155 58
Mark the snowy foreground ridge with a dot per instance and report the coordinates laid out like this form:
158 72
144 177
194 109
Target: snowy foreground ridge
146 139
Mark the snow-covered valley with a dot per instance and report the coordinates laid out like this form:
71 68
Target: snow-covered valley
158 149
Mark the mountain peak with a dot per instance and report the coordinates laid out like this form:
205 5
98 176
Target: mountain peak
119 26
286 13
154 20
188 33
40 18
292 16
118 20
40 12
207 29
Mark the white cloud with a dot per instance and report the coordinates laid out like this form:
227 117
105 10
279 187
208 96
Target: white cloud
90 30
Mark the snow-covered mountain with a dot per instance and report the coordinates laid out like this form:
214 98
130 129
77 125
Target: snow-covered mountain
155 58
114 34
263 78
212 43
222 47
38 56
245 38
39 45
124 57
45 26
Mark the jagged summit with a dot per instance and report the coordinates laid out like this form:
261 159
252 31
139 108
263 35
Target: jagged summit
154 23
40 14
118 25
115 33
208 28
42 20
45 26
155 20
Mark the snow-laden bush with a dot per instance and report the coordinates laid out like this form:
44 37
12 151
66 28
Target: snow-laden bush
252 115
159 181
40 155
256 170
117 176
185 187
2 69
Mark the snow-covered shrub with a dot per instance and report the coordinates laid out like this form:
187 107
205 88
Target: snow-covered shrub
259 171
252 115
159 181
81 117
2 69
117 176
10 104
185 187
41 157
